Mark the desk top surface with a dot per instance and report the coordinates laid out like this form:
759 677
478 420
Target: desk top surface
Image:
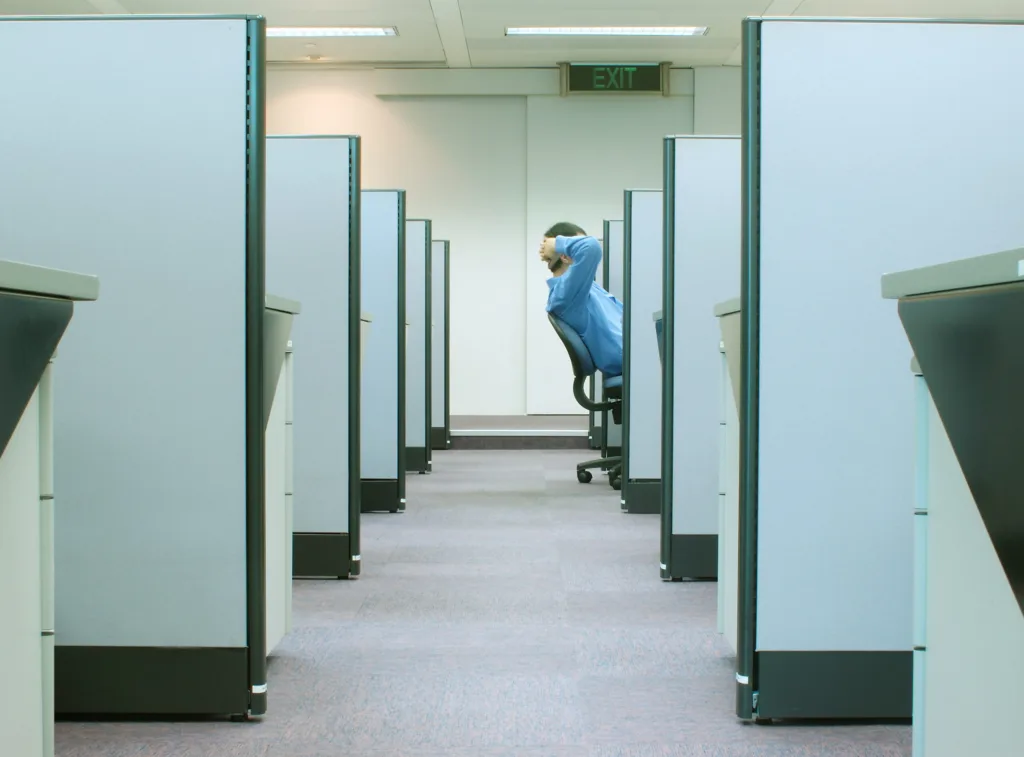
728 307
658 316
983 270
282 304
47 282
366 318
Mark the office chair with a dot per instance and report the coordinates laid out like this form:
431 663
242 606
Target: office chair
583 368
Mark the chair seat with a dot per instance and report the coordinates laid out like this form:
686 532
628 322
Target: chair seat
612 382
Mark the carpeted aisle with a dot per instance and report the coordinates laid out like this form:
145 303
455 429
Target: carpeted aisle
510 612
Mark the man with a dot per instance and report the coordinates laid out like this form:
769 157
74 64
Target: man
574 296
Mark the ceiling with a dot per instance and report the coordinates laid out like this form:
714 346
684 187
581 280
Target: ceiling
471 33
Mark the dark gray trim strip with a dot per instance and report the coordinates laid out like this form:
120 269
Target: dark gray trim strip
151 680
355 262
643 496
847 685
401 349
30 330
693 556
321 555
255 294
597 436
750 283
417 459
438 438
668 298
381 495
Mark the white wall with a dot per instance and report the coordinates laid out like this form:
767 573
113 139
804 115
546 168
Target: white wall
717 94
493 158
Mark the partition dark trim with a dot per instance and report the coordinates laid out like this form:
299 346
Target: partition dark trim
401 350
692 556
668 298
30 330
606 233
255 293
849 685
750 282
354 360
151 680
322 555
642 496
381 495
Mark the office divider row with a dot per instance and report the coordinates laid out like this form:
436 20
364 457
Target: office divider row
440 399
612 271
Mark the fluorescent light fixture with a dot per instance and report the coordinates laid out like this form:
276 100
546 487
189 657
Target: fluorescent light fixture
332 31
607 31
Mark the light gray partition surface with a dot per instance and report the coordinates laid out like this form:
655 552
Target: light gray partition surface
613 283
123 153
439 339
864 168
309 256
644 296
381 288
417 364
706 270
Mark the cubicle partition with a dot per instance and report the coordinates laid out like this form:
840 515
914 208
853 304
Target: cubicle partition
612 270
382 277
701 267
313 255
962 320
641 378
36 305
833 198
160 428
440 410
418 244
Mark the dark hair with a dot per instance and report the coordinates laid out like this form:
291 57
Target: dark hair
565 229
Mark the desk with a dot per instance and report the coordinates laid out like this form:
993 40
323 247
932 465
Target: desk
963 323
728 315
278 416
35 309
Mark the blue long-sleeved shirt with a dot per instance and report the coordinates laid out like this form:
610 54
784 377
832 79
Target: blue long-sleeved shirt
577 299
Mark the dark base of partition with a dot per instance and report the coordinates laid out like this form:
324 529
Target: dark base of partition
417 460
693 556
320 555
597 437
614 452
380 496
439 438
642 496
519 442
835 685
151 681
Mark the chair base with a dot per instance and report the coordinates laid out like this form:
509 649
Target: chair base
611 464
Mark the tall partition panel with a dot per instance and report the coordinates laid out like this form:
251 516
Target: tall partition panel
313 256
440 412
382 400
417 347
833 198
701 268
160 430
612 273
641 378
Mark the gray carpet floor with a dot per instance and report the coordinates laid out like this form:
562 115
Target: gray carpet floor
510 612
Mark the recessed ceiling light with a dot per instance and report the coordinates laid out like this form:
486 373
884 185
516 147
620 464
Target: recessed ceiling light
332 31
607 31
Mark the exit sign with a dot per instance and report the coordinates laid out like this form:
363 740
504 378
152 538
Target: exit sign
614 77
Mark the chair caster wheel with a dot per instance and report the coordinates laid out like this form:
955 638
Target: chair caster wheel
584 476
616 483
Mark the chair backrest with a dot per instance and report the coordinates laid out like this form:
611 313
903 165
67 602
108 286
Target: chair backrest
582 362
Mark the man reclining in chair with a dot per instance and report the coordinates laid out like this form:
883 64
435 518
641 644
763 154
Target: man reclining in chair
574 296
